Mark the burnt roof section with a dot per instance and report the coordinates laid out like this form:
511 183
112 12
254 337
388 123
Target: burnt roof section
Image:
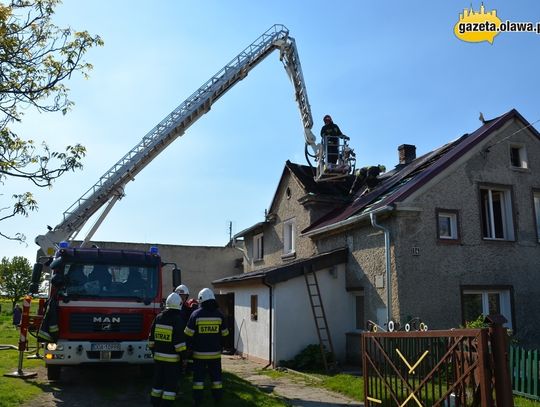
305 175
398 184
273 275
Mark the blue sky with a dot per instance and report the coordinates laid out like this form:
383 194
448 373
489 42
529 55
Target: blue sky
389 73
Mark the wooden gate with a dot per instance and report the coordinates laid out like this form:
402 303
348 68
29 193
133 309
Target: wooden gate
434 368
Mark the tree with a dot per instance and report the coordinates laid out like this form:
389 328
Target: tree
15 278
36 57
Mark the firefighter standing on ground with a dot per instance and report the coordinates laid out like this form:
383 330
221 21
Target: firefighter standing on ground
168 346
188 306
204 331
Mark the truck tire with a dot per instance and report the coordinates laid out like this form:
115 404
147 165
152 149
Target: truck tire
53 372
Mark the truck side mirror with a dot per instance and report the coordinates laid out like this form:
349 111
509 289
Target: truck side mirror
36 278
176 277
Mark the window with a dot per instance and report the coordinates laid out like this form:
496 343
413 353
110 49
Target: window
258 247
518 156
254 307
486 301
537 213
447 224
289 238
496 207
288 193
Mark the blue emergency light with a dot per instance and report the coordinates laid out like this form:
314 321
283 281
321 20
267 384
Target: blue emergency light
154 250
63 245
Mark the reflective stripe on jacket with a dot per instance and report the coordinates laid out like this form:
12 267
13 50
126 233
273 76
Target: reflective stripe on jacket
167 340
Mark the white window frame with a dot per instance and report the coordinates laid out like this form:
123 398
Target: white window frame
523 163
453 224
505 214
504 301
289 236
536 202
258 247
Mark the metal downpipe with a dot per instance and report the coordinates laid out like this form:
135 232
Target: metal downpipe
386 231
270 307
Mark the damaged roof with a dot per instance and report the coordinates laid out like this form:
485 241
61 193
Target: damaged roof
305 175
273 275
398 184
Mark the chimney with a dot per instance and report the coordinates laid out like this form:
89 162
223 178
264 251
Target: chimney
407 153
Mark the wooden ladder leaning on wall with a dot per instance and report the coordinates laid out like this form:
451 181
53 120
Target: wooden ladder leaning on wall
319 316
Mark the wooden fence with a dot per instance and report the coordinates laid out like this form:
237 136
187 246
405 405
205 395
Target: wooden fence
462 367
524 369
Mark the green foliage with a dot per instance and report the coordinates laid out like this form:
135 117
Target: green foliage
15 278
36 57
477 323
309 359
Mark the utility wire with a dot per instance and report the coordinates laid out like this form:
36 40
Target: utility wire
513 134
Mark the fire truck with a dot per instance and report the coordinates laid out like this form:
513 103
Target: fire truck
101 302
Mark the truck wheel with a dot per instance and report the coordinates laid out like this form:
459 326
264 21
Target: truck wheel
53 372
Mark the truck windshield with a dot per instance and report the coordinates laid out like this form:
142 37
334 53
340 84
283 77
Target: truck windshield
110 280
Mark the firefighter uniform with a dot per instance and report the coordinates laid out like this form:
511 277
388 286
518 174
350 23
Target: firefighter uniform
167 342
204 331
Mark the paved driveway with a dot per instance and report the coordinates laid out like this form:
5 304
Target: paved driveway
297 392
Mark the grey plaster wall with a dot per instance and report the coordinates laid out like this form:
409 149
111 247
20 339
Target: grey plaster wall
366 267
440 269
426 273
286 207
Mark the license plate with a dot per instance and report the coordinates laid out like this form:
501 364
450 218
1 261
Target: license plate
108 347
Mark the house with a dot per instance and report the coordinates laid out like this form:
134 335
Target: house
444 237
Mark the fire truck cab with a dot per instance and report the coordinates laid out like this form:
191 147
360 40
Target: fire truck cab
101 306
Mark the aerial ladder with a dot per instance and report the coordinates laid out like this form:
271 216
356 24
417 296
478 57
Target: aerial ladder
110 186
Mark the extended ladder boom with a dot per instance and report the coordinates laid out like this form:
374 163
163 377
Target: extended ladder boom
110 187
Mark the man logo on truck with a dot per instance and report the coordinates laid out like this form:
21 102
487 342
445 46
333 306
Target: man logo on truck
110 320
106 323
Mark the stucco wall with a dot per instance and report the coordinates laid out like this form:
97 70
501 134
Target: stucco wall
292 318
251 337
294 324
286 207
440 269
366 266
426 281
200 265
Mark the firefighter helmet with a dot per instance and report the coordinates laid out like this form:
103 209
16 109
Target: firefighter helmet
206 294
173 301
182 289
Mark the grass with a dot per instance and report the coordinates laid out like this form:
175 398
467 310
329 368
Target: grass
523 402
15 392
353 386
